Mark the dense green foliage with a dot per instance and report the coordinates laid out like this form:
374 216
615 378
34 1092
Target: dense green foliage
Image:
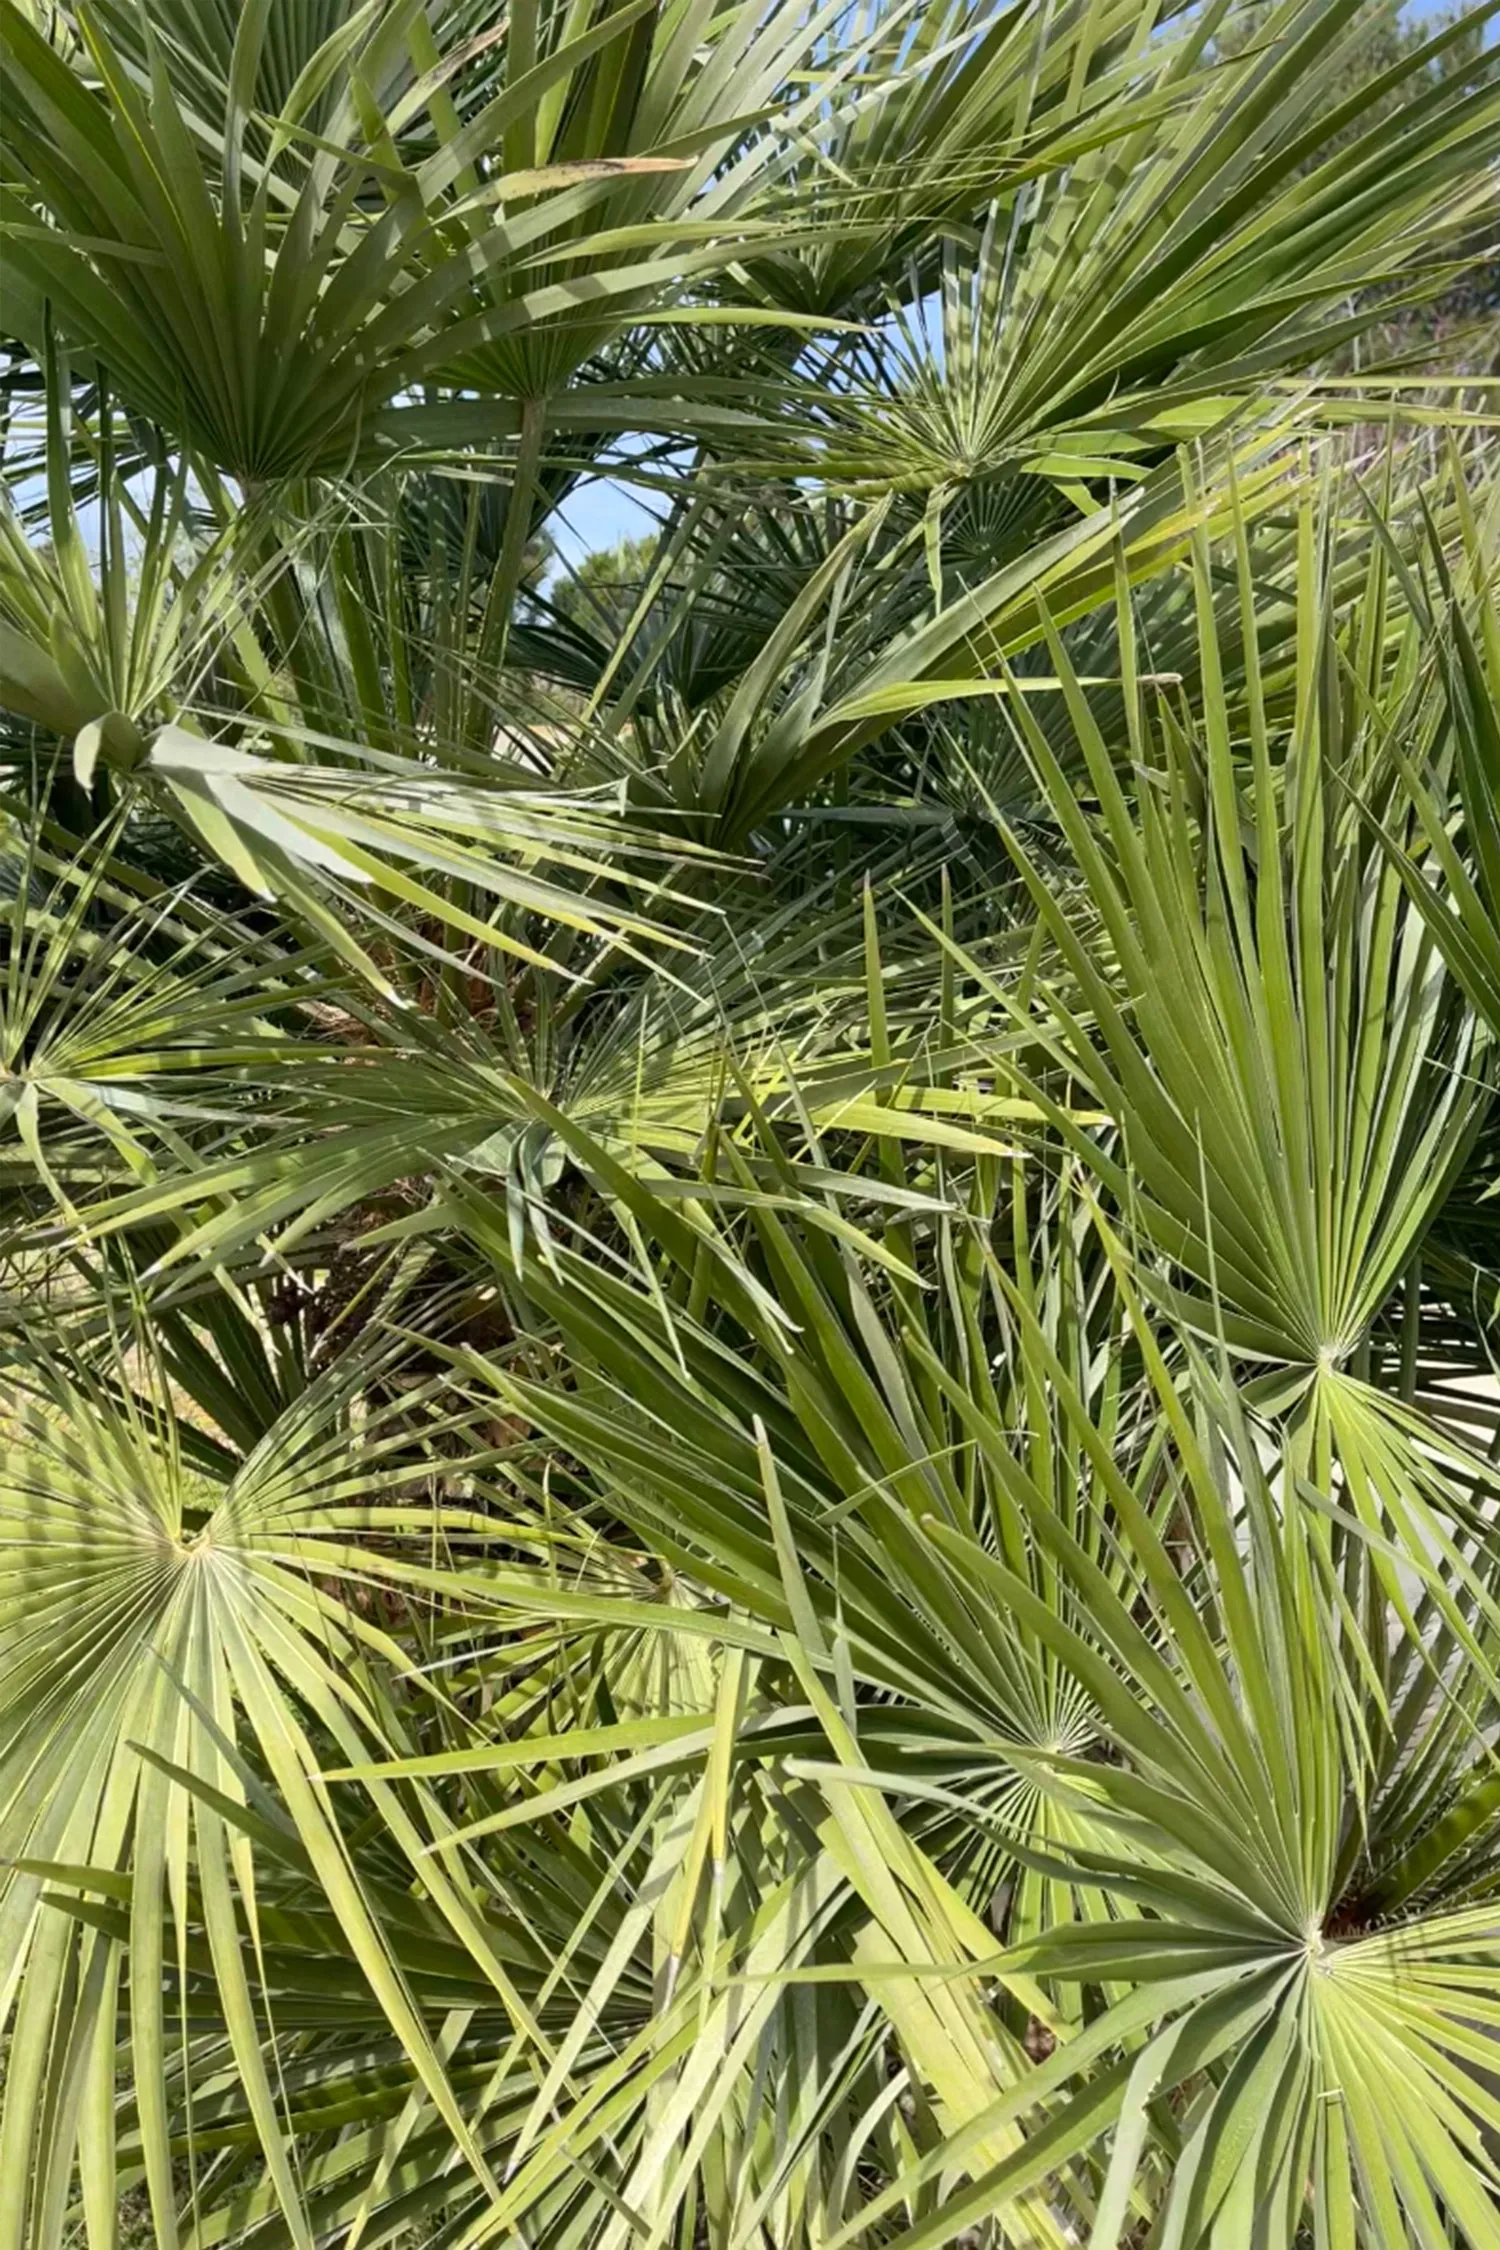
750 1300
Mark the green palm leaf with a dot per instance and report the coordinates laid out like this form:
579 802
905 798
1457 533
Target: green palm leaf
748 1483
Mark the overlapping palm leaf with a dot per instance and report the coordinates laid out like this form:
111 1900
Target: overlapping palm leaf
1275 1025
1066 340
271 304
1321 2054
814 1460
130 1026
204 697
173 1657
646 1069
1218 1797
748 1421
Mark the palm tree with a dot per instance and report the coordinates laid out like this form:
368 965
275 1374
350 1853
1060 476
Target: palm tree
749 1459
